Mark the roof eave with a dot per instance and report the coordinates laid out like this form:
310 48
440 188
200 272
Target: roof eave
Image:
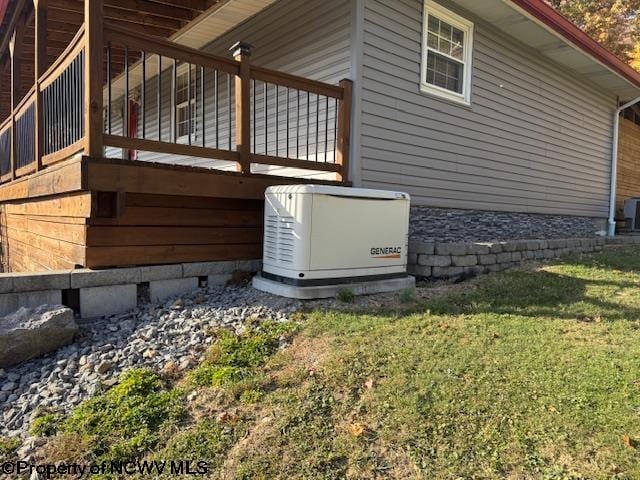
554 20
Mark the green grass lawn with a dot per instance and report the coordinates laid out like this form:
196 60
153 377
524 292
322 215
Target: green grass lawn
525 374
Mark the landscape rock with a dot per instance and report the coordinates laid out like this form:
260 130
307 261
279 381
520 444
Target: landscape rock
30 333
170 338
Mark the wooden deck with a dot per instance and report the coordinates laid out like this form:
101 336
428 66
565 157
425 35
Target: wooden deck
99 213
62 205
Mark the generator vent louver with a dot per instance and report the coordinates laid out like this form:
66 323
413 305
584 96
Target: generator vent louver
279 238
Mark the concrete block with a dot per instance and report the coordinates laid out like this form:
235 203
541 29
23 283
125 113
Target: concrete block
509 246
252 266
516 256
328 291
161 290
538 254
219 279
203 269
31 282
557 243
160 272
6 283
419 271
464 260
451 248
478 248
107 300
548 253
529 254
10 302
533 245
496 247
86 278
521 245
476 270
412 259
503 257
419 246
543 244
434 260
447 272
488 259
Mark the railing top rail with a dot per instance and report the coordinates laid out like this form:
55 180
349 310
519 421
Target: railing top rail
294 81
26 102
166 48
63 60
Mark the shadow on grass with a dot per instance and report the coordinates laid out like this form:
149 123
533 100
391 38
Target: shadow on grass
622 260
546 294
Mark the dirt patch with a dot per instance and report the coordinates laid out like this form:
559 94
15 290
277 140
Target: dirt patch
393 301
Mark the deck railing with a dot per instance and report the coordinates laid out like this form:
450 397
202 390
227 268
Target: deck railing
25 136
210 86
5 150
62 94
234 111
239 112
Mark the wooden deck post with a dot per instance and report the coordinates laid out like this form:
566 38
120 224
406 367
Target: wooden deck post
344 130
93 76
15 45
39 66
242 53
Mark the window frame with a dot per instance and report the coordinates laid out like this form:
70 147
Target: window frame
467 27
184 73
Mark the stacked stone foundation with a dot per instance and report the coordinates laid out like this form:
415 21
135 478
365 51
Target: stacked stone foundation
442 260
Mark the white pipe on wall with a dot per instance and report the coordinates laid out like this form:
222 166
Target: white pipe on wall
611 230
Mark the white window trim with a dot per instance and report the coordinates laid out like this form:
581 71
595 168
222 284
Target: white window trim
184 72
194 114
430 7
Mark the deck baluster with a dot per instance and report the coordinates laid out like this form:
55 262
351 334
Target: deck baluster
143 95
204 112
189 119
159 98
125 120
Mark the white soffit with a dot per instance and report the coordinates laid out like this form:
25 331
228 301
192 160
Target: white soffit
218 20
507 17
210 25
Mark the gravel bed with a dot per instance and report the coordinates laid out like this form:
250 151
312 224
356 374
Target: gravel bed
459 226
169 337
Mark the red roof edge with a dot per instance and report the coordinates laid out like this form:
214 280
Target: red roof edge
555 20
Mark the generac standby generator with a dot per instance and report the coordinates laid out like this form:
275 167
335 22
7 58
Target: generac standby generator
325 235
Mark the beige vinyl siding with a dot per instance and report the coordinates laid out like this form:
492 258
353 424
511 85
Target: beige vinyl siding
536 137
628 162
309 38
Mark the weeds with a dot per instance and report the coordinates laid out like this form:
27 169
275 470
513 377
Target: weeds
346 295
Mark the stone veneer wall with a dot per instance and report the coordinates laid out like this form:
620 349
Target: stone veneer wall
443 260
453 225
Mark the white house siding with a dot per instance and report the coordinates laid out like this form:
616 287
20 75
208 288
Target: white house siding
309 38
536 138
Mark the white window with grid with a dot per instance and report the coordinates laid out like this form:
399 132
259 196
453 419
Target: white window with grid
183 100
447 48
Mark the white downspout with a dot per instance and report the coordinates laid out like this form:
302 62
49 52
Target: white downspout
611 230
